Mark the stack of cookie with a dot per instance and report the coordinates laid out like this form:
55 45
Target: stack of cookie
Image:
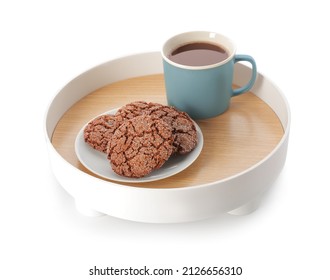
141 137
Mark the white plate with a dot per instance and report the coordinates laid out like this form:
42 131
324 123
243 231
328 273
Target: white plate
98 163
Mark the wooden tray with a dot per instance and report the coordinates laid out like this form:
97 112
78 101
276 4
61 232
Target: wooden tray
233 142
244 148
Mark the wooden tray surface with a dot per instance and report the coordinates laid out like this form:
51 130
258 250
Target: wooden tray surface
233 141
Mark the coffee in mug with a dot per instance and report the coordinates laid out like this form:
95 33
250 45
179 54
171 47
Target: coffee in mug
198 54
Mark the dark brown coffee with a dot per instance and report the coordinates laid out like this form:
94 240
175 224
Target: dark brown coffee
198 54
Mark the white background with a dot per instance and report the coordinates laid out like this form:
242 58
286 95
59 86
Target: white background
44 44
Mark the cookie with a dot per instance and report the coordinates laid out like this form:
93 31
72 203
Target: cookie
99 131
139 146
136 108
183 127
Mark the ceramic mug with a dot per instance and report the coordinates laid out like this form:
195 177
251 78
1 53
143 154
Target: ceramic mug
203 91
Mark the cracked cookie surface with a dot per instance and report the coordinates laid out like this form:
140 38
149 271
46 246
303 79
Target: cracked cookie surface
139 146
99 131
183 127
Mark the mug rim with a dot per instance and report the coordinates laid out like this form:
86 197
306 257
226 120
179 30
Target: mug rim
211 35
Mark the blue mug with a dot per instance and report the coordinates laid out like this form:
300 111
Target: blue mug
203 91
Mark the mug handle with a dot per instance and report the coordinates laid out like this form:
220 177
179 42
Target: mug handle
249 85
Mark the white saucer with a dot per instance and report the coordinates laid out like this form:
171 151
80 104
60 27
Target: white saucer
98 163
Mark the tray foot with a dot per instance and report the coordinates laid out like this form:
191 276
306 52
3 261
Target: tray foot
247 208
85 210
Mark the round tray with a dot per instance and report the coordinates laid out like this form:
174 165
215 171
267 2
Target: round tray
244 148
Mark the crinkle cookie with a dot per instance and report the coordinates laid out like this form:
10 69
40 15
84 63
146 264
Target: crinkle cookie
139 146
137 108
99 131
183 127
